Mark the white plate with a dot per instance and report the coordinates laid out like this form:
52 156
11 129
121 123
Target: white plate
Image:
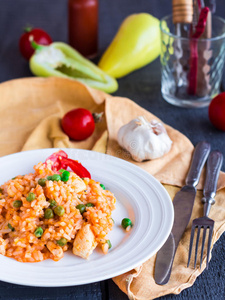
139 196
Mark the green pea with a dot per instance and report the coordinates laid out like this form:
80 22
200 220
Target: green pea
49 177
113 221
31 197
62 170
38 232
56 177
81 207
48 214
59 210
17 203
62 242
109 244
14 178
53 203
65 176
10 227
126 222
89 205
42 182
102 186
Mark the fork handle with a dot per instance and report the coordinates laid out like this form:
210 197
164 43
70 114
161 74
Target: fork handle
214 164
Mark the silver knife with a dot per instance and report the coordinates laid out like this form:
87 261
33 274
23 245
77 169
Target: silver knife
183 203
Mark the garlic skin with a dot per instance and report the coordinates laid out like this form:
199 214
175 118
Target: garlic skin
144 140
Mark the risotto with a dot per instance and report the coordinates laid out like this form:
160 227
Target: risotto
45 213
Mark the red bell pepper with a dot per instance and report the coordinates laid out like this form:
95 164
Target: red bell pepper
76 167
61 161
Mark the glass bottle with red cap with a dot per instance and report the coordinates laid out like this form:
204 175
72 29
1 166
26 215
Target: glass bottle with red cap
83 26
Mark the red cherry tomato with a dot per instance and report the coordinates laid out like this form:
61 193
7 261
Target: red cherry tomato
217 111
78 124
39 36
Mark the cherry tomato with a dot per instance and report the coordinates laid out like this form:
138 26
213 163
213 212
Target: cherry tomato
39 36
78 124
217 111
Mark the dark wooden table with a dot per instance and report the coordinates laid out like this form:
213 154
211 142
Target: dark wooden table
142 86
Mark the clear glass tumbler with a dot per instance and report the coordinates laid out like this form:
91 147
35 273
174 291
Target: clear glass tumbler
191 68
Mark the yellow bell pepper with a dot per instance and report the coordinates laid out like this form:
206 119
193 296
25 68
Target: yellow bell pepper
136 44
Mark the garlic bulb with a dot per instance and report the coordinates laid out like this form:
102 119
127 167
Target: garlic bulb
144 140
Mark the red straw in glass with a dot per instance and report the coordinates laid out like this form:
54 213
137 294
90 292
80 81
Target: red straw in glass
199 29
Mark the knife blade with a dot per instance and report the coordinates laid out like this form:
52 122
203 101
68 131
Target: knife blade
183 204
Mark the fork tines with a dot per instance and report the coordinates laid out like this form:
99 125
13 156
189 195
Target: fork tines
214 164
206 224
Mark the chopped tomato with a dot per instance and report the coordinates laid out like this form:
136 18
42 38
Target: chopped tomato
61 161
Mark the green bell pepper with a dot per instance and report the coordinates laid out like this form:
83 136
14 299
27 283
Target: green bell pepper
61 60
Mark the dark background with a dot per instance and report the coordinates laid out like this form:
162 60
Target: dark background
142 86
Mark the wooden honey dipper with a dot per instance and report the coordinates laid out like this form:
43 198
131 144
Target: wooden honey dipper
182 11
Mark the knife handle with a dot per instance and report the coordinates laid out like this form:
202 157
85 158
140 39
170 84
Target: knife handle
214 164
199 157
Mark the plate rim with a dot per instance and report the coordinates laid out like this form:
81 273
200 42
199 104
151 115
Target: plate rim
112 158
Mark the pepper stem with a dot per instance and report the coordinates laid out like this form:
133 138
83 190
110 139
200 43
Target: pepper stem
28 28
34 45
98 117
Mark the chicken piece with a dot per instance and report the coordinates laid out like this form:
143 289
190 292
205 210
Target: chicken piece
56 250
78 184
3 244
84 242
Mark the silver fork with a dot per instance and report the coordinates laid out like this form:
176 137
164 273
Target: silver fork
214 164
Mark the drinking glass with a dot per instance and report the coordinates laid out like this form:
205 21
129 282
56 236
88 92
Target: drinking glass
191 68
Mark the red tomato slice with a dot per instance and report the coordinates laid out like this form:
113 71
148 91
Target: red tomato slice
61 161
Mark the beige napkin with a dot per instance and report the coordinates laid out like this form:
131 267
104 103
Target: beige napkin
32 109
